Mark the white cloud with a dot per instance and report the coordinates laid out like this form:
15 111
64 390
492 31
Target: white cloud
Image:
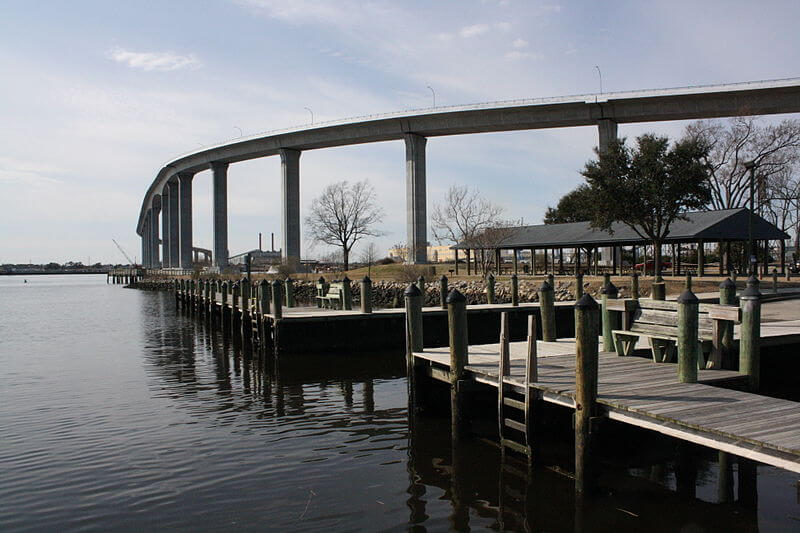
519 43
515 55
148 61
503 26
474 30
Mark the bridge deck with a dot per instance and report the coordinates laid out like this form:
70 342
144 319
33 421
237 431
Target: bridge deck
639 392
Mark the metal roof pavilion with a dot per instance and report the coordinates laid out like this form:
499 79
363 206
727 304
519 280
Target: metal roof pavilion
707 226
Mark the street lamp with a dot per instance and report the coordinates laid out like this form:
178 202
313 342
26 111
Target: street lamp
241 134
312 114
750 166
433 93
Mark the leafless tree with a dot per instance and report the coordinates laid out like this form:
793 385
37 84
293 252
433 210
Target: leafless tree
344 214
463 214
775 148
369 255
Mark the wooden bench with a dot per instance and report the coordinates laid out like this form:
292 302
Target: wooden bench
322 291
335 297
658 321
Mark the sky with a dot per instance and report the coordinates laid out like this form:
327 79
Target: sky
96 96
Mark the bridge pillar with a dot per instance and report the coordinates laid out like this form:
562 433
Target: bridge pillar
416 199
174 225
146 240
165 227
220 193
185 215
607 130
290 190
155 211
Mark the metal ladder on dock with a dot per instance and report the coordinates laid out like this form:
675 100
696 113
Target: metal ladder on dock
514 433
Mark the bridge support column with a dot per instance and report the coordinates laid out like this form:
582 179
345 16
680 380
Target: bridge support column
185 214
146 241
165 227
154 251
290 189
174 225
416 199
220 193
607 130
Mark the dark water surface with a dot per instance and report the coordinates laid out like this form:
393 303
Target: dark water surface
116 413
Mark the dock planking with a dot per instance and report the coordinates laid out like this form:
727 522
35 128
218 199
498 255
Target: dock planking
638 392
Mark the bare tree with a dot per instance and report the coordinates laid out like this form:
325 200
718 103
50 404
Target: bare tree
463 214
343 215
369 255
774 148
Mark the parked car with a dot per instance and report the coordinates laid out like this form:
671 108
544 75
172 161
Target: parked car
650 263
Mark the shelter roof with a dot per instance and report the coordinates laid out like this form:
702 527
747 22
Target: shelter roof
720 225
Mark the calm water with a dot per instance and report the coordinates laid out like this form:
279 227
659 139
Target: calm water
116 412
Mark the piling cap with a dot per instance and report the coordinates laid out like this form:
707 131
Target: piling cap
658 278
412 290
545 286
513 276
687 297
490 276
610 289
276 283
751 292
455 297
727 283
366 280
321 279
345 279
586 302
443 278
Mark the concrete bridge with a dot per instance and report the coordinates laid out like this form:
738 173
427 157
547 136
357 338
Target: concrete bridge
169 197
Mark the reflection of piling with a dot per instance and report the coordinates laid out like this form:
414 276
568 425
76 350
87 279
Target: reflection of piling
548 312
586 368
725 479
750 334
688 345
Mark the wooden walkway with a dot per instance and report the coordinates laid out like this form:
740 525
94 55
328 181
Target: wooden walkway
639 392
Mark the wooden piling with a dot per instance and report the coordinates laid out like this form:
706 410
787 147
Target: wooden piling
223 308
750 334
347 294
265 295
547 311
533 361
586 368
514 290
421 286
414 318
235 306
490 288
610 319
323 287
277 300
457 332
551 280
725 478
688 345
727 296
366 295
289 284
774 281
578 286
635 285
688 283
443 291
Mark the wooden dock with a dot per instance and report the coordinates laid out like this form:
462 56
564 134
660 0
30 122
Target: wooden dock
641 393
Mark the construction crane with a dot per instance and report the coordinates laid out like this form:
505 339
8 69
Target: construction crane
130 261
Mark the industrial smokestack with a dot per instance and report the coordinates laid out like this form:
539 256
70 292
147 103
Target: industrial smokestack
273 241
259 241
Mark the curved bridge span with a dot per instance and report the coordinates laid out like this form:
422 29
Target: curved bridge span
169 198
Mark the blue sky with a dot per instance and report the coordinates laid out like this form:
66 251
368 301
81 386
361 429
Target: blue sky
96 96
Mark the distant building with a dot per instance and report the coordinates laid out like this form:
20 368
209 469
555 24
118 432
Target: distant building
436 254
259 258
